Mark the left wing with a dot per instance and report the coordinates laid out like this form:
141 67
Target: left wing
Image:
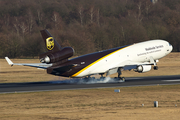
37 65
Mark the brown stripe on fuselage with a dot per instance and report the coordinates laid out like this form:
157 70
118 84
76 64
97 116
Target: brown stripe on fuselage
83 62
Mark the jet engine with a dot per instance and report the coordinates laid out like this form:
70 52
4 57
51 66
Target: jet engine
65 53
143 68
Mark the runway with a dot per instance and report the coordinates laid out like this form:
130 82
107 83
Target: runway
78 84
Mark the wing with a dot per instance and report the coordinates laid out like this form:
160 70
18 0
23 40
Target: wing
129 65
133 65
37 65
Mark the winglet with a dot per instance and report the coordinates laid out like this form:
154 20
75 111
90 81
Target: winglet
9 61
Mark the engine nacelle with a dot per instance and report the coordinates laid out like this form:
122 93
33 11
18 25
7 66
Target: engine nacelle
65 53
143 68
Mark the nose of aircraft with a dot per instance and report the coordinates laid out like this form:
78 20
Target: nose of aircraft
170 48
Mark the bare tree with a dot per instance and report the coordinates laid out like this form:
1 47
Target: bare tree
98 17
24 28
56 19
16 25
147 7
139 11
80 11
7 19
91 13
1 24
39 15
30 21
123 34
139 17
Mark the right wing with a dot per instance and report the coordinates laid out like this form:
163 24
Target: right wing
37 65
129 65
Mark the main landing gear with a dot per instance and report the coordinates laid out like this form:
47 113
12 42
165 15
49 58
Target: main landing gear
120 79
102 78
88 78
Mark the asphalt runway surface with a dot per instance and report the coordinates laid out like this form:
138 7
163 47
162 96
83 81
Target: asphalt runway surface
73 84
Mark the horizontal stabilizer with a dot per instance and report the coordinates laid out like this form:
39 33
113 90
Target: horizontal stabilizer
37 65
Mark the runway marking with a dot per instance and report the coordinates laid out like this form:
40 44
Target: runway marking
171 80
138 78
48 86
31 91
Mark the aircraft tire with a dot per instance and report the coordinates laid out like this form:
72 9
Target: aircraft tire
102 78
123 79
155 67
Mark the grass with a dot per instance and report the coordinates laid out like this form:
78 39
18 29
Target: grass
93 104
22 73
96 104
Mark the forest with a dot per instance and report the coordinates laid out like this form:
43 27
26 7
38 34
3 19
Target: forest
85 25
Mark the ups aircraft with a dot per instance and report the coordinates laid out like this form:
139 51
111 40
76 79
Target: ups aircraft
139 57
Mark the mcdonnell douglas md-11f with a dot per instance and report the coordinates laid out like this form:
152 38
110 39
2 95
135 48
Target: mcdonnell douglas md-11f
139 56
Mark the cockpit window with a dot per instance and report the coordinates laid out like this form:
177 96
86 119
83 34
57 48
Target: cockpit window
170 44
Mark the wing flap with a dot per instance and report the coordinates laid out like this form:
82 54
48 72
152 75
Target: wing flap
59 70
130 67
112 71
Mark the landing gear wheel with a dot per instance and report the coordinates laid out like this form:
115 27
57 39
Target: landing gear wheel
119 79
123 79
102 78
87 79
155 67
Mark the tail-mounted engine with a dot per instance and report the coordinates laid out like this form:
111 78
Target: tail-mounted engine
143 68
62 54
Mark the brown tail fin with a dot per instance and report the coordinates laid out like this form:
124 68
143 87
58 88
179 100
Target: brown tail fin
50 43
56 54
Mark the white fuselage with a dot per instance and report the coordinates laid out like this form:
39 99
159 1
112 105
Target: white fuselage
134 54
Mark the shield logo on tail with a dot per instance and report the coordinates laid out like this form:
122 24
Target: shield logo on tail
50 43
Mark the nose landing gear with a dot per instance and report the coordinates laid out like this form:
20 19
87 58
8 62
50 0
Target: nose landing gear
155 68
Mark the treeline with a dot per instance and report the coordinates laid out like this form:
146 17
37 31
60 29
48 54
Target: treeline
86 25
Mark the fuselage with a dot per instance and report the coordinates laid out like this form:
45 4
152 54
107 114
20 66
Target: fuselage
102 61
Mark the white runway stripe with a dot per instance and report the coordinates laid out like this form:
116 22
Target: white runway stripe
171 80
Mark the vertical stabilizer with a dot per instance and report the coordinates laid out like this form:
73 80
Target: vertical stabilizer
50 43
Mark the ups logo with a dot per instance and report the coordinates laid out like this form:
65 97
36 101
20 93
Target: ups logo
50 43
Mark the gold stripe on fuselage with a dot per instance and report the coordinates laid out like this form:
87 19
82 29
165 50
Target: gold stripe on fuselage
76 74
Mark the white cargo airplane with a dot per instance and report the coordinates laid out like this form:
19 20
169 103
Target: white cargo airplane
139 56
